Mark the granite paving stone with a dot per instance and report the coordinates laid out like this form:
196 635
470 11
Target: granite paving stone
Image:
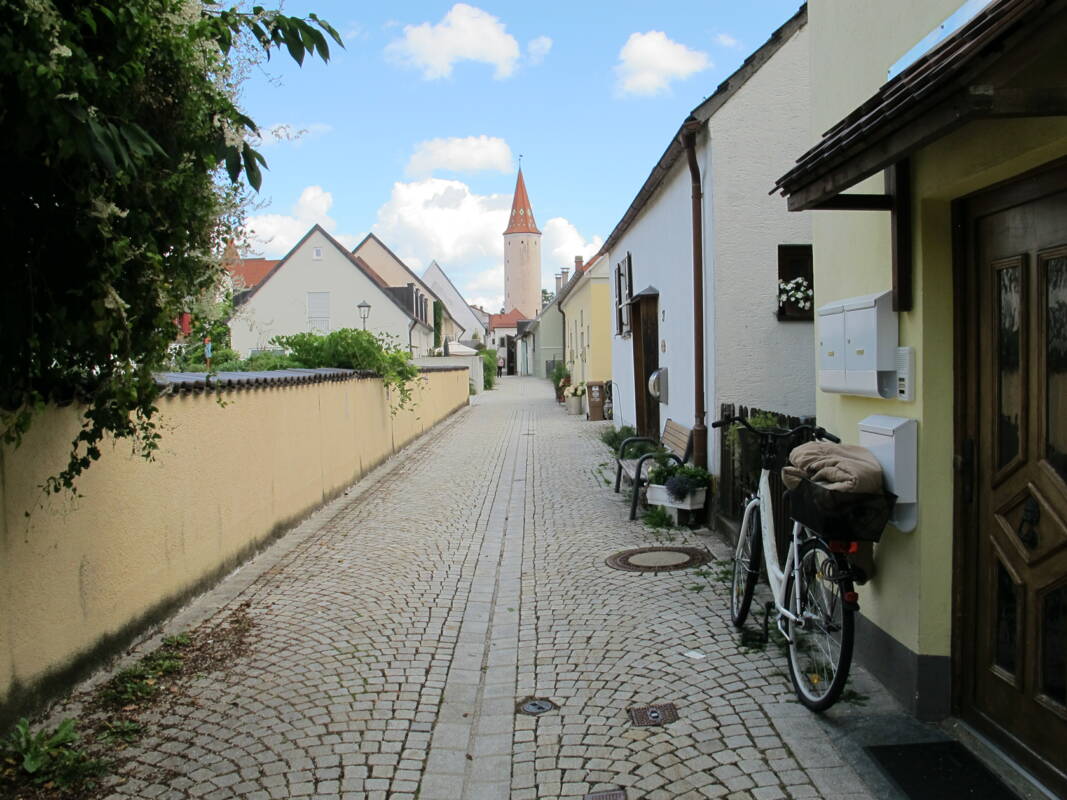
395 630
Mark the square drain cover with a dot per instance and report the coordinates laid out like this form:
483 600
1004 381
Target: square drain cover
643 716
614 794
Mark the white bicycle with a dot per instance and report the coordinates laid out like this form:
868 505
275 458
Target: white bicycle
814 597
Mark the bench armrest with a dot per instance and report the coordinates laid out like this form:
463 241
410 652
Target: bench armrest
631 440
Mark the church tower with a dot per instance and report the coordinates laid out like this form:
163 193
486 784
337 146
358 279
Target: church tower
522 256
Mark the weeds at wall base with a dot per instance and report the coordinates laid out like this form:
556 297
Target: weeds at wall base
73 761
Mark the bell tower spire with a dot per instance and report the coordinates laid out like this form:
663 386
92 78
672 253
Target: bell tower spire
522 256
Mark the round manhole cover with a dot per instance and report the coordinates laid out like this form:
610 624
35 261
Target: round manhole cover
535 705
658 559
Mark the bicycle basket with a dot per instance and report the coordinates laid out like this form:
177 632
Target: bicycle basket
750 450
842 516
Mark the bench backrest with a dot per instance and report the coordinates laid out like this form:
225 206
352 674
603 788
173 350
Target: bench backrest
678 439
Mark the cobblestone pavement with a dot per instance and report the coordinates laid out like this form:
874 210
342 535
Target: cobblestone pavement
397 628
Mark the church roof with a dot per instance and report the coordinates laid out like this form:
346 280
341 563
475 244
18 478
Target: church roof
522 218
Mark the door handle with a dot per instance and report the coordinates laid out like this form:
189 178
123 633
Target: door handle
965 464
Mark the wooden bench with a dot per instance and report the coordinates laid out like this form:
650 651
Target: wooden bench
677 440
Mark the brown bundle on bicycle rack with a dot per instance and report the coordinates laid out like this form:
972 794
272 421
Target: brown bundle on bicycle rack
837 491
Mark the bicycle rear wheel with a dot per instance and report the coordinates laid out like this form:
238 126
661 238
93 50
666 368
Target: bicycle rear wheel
820 653
747 558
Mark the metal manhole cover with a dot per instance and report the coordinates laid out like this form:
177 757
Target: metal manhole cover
614 794
534 706
645 716
658 559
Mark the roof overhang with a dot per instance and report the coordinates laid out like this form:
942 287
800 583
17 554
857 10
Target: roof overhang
972 75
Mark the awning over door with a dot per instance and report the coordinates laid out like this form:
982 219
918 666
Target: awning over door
973 74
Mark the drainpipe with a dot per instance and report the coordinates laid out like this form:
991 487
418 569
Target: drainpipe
690 128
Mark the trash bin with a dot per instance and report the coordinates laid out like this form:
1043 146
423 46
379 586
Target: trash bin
594 400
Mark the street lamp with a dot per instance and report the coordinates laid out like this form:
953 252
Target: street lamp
364 312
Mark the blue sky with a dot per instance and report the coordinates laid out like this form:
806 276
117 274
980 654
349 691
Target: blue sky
413 131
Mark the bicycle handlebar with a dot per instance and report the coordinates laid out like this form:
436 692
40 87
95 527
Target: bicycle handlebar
820 433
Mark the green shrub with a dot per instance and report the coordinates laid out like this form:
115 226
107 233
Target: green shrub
47 757
489 372
614 437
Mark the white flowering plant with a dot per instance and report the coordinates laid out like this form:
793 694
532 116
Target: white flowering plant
797 292
578 390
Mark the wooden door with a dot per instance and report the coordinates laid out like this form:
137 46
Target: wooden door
644 341
1016 675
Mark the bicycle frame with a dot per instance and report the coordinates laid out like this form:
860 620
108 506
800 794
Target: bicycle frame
776 574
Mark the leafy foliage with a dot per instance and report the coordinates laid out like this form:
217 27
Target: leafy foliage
354 349
489 368
47 758
123 142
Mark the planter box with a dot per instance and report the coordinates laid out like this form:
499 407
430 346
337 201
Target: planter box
657 495
574 405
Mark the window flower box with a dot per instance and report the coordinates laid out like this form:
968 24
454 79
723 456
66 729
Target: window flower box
657 495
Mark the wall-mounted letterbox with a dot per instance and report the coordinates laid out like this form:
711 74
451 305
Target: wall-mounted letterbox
858 346
894 442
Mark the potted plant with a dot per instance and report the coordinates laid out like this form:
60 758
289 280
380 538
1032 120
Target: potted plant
678 486
561 379
574 398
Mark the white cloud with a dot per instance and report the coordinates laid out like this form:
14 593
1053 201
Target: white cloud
289 133
354 32
469 154
445 220
537 49
275 234
648 62
465 33
726 40
560 244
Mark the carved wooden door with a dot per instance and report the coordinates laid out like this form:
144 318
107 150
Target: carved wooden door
1018 607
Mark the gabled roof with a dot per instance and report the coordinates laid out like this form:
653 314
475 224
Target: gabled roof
434 266
508 320
249 272
358 263
414 278
522 218
701 114
568 287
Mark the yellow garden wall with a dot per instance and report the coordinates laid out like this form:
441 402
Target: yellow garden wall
80 576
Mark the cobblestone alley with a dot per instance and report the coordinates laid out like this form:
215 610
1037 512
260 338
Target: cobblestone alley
395 631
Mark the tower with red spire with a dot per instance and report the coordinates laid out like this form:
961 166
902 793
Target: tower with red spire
522 256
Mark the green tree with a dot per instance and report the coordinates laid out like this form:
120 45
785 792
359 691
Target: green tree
125 146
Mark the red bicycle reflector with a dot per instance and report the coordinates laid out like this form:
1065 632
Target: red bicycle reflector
852 597
844 547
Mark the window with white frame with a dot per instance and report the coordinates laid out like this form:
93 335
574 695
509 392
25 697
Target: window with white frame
318 311
316 253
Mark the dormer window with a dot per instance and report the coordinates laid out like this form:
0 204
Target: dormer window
316 253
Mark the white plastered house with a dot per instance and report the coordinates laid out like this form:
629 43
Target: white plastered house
756 354
318 286
441 285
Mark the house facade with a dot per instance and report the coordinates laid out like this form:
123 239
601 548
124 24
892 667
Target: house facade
373 253
318 286
585 305
502 332
540 343
465 318
757 353
942 183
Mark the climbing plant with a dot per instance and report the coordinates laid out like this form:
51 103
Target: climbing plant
123 140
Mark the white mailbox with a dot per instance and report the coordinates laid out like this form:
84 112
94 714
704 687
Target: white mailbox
858 346
894 442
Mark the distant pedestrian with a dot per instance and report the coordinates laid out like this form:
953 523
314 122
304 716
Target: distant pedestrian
500 366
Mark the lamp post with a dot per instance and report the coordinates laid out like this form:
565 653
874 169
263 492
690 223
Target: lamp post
364 312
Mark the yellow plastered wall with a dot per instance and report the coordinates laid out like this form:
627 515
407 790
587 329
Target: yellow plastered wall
589 305
911 596
226 477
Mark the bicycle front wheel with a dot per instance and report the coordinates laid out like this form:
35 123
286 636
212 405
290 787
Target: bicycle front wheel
820 652
746 568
